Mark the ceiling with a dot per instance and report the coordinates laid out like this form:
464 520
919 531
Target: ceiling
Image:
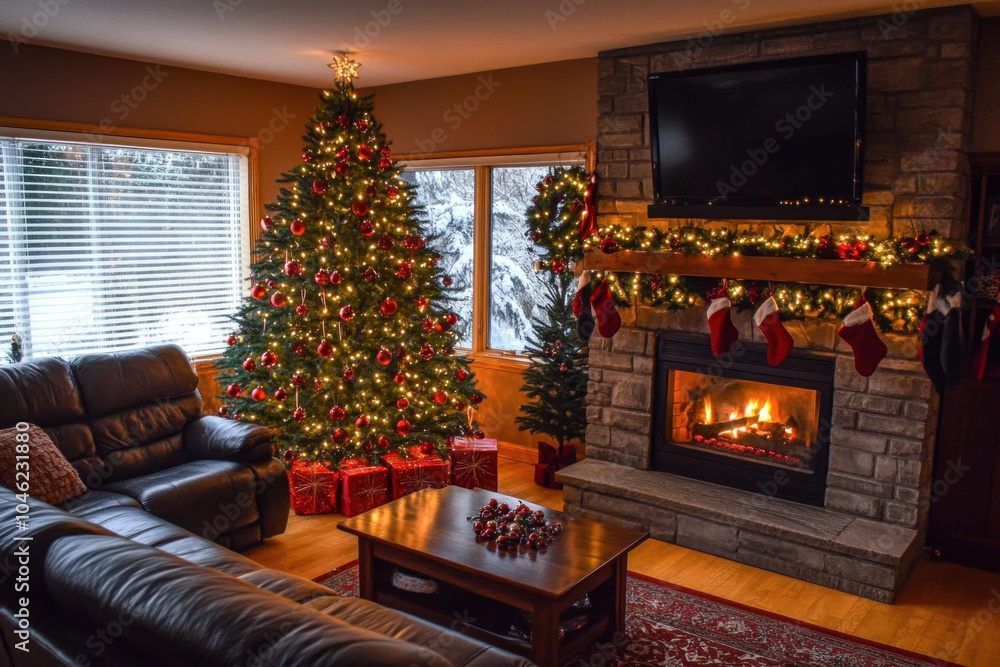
396 40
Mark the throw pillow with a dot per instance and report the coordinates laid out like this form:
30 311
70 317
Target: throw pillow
51 478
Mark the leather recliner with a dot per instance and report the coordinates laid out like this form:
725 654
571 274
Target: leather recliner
113 585
131 424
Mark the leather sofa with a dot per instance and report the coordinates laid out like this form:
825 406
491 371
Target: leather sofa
112 584
131 425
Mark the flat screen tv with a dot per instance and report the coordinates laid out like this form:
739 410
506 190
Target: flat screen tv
780 139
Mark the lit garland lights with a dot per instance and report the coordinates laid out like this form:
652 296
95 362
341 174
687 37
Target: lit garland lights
556 214
346 344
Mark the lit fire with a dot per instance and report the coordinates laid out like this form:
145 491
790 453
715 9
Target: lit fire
758 417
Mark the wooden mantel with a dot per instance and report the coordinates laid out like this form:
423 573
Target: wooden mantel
846 273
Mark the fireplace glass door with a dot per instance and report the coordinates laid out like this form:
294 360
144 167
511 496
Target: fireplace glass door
744 419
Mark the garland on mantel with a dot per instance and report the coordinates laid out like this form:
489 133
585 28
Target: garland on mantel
560 227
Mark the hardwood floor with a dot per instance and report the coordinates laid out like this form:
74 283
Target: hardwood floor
946 611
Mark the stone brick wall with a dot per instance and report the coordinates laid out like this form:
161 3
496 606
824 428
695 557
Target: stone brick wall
918 122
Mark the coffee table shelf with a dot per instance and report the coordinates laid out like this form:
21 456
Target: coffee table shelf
428 533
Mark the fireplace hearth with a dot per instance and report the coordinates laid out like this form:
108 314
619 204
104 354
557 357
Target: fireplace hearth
739 422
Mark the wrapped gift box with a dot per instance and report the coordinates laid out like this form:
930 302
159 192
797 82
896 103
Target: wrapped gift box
551 460
313 488
474 463
363 486
418 472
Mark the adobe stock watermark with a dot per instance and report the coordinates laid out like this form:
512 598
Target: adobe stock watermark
786 126
123 105
364 34
901 14
704 39
32 24
562 12
456 115
279 122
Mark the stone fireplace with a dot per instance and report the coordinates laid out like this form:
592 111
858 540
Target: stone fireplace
849 508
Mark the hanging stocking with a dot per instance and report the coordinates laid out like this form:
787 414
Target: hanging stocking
724 333
582 310
940 344
983 352
859 332
608 319
779 341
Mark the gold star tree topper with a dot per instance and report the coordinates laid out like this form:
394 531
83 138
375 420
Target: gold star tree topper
345 67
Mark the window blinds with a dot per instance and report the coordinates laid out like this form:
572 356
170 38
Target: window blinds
104 248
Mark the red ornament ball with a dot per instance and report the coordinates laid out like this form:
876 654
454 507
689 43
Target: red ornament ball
347 313
233 390
385 243
451 319
272 283
404 271
923 239
402 404
371 191
360 208
258 291
299 347
231 340
299 414
385 163
293 269
223 411
342 167
476 399
427 352
319 187
383 442
307 156
609 245
266 222
427 447
348 374
370 275
280 395
321 277
392 191
558 265
388 308
324 349
446 282
399 378
258 394
421 302
249 366
364 152
343 120
340 436
278 300
367 228
403 427
461 374
362 124
298 380
302 310
384 357
440 397
297 227
335 278
427 325
336 413
362 422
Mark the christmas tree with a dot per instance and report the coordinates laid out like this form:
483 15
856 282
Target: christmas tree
556 380
345 345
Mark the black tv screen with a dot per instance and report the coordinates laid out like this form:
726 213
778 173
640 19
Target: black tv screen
778 133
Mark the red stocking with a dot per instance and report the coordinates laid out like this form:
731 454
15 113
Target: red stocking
724 333
779 341
608 319
983 352
859 332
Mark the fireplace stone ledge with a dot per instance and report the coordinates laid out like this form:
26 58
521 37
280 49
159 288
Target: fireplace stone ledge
830 548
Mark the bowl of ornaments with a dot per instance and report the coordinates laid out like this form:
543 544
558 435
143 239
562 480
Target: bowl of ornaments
519 529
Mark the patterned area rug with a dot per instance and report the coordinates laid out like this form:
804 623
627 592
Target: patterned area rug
673 626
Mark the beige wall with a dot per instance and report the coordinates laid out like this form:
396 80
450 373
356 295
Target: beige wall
986 114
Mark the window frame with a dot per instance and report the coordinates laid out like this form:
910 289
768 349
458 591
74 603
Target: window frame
482 163
26 128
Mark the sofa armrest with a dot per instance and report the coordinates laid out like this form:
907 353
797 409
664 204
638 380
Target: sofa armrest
211 437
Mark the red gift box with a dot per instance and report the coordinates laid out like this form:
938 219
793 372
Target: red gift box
551 460
362 486
420 471
474 463
313 488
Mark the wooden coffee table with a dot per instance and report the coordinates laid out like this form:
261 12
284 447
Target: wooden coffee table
483 588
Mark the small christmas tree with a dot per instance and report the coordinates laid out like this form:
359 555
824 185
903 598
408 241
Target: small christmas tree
346 343
556 380
16 352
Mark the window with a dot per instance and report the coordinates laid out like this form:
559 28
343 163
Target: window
476 206
106 247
